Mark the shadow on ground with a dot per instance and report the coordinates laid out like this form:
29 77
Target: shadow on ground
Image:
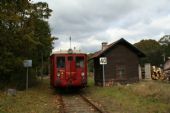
68 91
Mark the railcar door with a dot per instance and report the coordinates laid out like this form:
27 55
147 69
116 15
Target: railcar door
70 70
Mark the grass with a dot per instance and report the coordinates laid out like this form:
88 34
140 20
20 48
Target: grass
40 99
142 97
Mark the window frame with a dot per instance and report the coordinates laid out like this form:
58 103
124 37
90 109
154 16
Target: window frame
120 71
80 59
64 62
70 58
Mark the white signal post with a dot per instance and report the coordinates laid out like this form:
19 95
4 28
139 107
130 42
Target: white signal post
103 61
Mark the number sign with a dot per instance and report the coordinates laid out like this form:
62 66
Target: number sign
103 60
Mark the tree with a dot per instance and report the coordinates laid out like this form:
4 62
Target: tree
153 51
165 43
165 40
24 32
90 62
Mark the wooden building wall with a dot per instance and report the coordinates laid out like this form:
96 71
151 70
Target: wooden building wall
119 56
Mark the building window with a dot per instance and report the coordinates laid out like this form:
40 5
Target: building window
60 62
80 62
120 71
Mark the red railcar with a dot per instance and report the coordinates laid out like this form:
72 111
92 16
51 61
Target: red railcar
68 70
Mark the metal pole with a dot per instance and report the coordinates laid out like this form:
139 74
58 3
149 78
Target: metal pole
42 63
164 57
103 76
70 42
27 80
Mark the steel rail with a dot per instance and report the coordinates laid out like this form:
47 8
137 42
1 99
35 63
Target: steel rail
62 106
91 104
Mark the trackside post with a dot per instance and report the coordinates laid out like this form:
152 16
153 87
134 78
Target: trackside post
103 62
27 64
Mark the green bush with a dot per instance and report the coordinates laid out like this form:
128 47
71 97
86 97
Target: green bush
17 79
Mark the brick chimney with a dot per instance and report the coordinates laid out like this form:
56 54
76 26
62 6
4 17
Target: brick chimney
104 45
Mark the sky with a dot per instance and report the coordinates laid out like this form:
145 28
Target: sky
91 22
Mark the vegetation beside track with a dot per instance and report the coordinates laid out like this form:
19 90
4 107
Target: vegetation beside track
40 99
142 97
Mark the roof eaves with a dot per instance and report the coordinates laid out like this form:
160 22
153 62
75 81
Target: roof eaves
138 52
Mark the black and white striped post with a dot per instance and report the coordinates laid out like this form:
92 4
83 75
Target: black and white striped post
103 62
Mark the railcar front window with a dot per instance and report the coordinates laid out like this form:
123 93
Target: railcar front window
80 62
60 62
70 58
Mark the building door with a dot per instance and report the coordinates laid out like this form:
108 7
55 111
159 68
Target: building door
121 72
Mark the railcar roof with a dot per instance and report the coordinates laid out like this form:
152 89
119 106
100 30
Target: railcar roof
64 52
68 54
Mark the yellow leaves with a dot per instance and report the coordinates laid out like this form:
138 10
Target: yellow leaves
14 18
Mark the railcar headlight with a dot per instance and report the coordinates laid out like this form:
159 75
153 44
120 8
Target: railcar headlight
58 74
82 74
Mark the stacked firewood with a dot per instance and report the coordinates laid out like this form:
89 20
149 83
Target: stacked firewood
157 73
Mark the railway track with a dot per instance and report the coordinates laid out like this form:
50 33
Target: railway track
77 104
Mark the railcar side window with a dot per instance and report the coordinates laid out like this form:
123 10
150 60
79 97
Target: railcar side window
80 62
60 62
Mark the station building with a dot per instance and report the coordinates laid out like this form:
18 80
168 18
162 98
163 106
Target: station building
122 63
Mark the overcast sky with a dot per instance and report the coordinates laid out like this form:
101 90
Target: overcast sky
91 22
